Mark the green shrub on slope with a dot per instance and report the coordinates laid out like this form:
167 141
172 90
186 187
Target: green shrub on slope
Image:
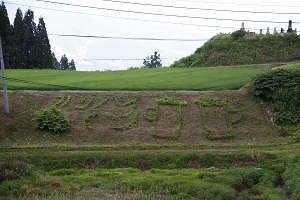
282 88
52 119
291 179
266 84
286 103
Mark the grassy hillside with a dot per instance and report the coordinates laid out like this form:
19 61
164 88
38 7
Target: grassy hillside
138 79
224 50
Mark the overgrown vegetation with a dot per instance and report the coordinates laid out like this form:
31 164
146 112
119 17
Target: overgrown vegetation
239 48
174 176
14 170
238 34
282 87
286 103
266 84
291 179
51 119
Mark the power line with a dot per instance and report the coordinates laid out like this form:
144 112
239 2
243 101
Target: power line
160 14
204 9
128 18
239 4
129 59
132 38
127 38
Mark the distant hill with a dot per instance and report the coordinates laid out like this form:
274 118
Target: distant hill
242 49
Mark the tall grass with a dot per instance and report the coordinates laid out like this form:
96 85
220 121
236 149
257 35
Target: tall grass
208 184
140 79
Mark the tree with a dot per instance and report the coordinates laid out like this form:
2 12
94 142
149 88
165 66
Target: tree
43 48
5 27
6 35
30 57
64 63
72 65
18 35
238 34
55 63
152 61
25 45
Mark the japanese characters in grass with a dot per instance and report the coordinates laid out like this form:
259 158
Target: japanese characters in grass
165 117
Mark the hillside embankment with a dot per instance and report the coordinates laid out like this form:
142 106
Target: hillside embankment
137 118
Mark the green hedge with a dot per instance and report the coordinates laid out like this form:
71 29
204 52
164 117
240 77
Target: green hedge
282 88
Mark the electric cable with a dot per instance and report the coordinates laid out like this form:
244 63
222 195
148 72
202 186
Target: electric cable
162 14
203 9
239 4
127 38
128 18
129 59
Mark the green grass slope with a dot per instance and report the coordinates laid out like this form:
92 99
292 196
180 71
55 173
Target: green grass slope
139 79
224 50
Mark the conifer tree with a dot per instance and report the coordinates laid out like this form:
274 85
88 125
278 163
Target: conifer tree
6 36
25 45
64 63
30 58
18 41
55 63
5 28
72 65
43 49
152 61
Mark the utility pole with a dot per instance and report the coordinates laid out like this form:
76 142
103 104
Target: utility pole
4 80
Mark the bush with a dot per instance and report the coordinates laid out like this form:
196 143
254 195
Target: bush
238 34
266 84
287 106
13 170
282 88
291 179
52 119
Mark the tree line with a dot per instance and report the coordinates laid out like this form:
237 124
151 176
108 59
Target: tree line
26 45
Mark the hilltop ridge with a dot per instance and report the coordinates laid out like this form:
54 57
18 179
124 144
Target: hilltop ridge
234 49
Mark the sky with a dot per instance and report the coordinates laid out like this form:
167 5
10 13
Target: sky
117 26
